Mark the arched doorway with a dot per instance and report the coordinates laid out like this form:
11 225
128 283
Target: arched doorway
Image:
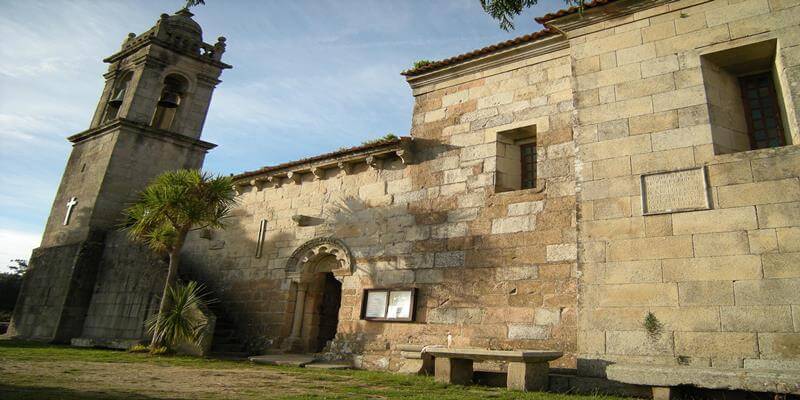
328 309
316 270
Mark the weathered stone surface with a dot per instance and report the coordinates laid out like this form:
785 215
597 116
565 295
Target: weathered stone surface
638 343
518 331
728 379
712 268
756 319
724 220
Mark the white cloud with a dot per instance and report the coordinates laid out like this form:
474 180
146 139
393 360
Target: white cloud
16 245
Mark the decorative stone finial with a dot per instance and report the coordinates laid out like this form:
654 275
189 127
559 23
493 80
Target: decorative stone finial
219 48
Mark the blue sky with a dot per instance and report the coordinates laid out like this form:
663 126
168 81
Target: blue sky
309 77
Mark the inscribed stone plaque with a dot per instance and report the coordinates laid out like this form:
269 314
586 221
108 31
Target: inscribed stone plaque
675 191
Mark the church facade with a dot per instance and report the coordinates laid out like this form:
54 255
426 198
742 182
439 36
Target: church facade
623 186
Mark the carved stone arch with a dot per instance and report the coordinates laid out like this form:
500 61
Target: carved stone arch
306 258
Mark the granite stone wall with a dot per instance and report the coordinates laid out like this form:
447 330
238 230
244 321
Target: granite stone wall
722 282
495 269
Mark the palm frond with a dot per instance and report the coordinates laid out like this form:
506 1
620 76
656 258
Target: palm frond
181 323
177 201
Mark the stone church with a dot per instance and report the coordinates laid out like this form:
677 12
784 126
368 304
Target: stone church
622 186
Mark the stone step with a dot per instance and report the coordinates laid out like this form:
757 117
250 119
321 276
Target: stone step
293 360
329 365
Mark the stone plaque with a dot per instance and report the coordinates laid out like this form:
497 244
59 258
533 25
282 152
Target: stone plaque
675 191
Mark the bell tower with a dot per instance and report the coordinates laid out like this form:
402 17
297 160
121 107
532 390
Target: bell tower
149 120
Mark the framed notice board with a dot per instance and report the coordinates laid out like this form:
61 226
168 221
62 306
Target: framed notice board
390 305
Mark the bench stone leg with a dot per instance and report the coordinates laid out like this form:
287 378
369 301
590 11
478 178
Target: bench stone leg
528 376
453 370
663 393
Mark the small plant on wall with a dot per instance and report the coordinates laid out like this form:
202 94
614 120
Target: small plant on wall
653 326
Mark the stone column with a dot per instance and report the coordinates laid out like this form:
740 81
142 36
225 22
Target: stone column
299 306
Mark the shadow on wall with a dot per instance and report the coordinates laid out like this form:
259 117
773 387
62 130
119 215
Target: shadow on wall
255 293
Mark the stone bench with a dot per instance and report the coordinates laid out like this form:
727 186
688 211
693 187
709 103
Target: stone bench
664 378
527 369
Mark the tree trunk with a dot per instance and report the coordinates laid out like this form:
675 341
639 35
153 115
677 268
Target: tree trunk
172 276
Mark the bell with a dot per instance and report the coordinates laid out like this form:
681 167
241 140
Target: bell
168 99
117 100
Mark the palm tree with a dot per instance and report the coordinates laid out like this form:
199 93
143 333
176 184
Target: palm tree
173 204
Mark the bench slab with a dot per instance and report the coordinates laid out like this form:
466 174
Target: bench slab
524 356
771 381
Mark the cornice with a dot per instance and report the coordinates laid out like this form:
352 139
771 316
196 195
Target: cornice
153 40
524 51
142 129
372 155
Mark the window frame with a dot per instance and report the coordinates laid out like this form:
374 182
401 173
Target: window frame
412 311
747 103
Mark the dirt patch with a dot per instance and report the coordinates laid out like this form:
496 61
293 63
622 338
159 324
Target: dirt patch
153 381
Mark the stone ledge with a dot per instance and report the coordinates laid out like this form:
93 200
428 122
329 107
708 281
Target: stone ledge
771 381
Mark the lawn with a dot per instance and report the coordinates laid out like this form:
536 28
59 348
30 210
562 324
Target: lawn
37 371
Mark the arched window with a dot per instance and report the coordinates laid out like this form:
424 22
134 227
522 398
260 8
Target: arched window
170 101
118 95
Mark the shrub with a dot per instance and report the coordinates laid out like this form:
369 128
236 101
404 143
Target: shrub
160 351
180 322
422 63
384 138
652 325
139 348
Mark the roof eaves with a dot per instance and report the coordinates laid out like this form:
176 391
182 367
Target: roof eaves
327 158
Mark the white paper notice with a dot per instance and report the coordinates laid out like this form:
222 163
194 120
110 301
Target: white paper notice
399 305
376 305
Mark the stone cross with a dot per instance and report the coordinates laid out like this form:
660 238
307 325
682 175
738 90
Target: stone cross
70 204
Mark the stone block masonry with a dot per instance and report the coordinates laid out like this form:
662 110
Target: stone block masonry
576 262
717 279
571 260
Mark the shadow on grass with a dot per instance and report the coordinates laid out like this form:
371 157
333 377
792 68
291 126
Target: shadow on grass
13 392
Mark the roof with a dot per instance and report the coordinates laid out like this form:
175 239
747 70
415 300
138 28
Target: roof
508 43
343 153
480 52
572 10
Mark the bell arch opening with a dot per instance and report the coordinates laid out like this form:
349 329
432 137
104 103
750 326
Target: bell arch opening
172 98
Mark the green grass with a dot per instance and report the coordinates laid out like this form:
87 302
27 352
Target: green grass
36 371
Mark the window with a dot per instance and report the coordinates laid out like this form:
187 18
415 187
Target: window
761 109
528 165
745 107
516 159
118 96
388 305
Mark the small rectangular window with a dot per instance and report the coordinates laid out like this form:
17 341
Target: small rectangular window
516 159
762 112
745 90
527 158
